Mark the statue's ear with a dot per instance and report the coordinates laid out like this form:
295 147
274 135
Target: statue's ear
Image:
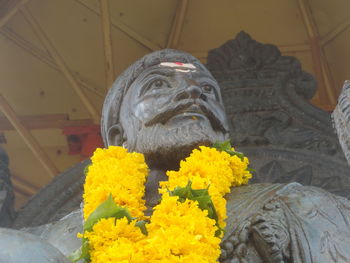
115 135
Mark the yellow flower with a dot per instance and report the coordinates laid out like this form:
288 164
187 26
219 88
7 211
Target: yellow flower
113 240
181 231
209 167
218 167
117 172
178 232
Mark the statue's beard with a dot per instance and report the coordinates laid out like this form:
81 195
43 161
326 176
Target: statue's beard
164 147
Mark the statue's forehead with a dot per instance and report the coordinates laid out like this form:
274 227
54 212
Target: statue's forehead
171 68
179 66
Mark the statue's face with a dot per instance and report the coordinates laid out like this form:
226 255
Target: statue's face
172 108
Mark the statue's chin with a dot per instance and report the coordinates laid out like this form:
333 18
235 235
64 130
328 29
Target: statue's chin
163 158
165 147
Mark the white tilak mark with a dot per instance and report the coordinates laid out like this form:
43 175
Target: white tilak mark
184 70
178 65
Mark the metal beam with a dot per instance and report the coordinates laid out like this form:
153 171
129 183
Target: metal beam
28 138
44 57
294 48
107 42
335 32
326 107
40 122
121 26
177 25
60 63
319 61
22 185
19 190
8 13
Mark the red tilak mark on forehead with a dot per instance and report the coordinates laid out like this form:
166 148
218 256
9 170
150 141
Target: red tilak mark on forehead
179 63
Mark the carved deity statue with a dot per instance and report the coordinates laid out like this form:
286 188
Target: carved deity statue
165 105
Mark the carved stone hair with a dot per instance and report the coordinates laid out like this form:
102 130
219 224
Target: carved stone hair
113 100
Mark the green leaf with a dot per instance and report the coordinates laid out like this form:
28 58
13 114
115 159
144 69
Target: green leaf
106 210
182 192
86 169
142 225
222 146
251 169
226 147
199 192
202 197
75 256
238 154
85 250
81 253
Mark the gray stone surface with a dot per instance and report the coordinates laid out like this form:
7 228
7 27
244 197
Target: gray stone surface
19 247
7 212
341 118
61 234
57 199
271 120
286 223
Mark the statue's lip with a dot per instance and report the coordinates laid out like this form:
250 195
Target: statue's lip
188 114
192 111
185 117
178 109
184 110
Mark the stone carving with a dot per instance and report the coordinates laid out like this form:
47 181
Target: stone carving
29 249
341 118
151 109
246 59
276 128
270 119
7 212
279 230
266 97
275 173
57 199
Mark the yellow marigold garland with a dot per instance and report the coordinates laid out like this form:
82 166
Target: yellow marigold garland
208 167
178 231
119 173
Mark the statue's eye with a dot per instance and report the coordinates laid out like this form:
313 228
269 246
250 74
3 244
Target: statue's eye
159 83
207 88
155 86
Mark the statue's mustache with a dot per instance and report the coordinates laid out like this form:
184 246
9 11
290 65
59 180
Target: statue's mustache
181 107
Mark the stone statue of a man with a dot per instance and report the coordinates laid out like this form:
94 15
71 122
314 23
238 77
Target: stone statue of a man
166 104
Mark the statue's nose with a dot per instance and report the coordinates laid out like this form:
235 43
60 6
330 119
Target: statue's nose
191 92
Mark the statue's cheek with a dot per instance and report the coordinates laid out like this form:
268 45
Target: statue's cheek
150 107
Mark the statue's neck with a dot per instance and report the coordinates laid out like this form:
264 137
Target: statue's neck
152 185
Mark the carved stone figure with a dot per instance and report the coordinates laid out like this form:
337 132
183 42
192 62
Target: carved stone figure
168 103
7 213
341 118
266 99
